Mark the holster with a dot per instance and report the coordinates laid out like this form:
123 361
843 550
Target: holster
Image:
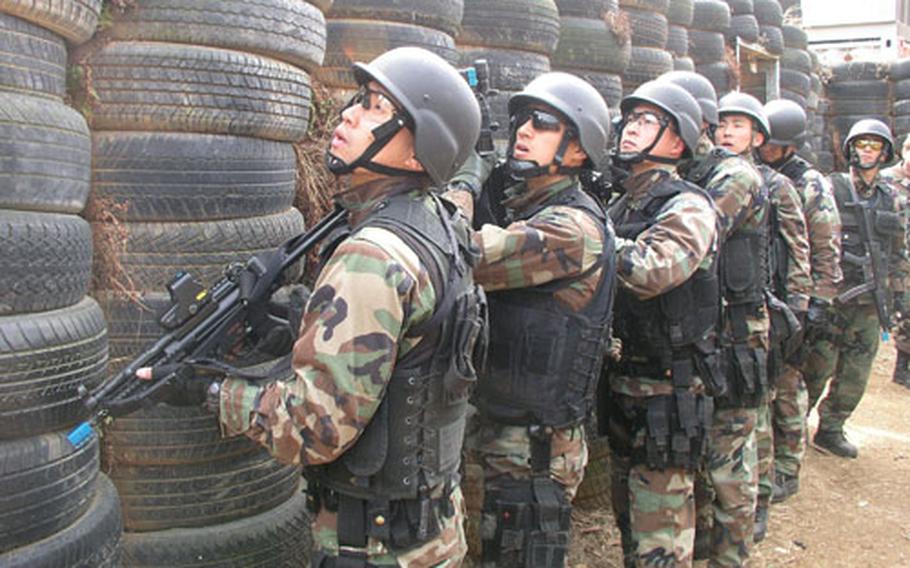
400 524
532 524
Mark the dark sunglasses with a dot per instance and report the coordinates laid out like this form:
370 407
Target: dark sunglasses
540 119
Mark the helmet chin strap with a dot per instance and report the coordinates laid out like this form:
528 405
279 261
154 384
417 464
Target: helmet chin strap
526 169
858 164
382 134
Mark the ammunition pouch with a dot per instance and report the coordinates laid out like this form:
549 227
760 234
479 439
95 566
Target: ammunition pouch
398 524
526 524
675 428
785 328
747 376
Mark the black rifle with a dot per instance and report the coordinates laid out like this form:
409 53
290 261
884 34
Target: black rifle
478 78
204 325
875 272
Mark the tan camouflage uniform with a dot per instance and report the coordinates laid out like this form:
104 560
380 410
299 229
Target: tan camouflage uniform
727 493
658 505
791 399
348 344
792 226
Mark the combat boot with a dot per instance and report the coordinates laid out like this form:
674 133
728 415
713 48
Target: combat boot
835 442
902 369
761 523
785 486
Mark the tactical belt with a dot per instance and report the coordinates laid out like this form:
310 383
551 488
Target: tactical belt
399 524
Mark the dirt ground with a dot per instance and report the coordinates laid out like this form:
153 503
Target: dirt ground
848 512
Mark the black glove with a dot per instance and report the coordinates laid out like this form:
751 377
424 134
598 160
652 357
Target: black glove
185 387
817 315
473 173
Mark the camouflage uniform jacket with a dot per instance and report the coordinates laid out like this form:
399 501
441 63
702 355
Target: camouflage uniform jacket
791 224
347 347
899 262
736 188
823 223
683 238
557 242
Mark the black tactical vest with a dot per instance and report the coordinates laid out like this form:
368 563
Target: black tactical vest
779 252
882 208
545 360
413 443
700 170
744 265
673 326
795 169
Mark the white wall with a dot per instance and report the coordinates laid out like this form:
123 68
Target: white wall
818 13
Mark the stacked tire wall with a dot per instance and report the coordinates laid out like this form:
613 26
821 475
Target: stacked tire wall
594 43
855 90
707 46
517 38
650 28
360 30
679 16
194 107
900 90
56 508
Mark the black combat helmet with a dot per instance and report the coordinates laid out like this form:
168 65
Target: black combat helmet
745 104
868 127
700 88
440 109
788 123
678 104
580 104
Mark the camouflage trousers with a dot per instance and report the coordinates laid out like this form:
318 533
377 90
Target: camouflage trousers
504 452
845 356
655 509
764 447
726 490
447 550
788 419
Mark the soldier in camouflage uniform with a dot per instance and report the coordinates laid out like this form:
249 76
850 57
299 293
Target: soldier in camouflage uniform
846 354
666 315
547 265
788 130
788 254
899 176
726 493
377 409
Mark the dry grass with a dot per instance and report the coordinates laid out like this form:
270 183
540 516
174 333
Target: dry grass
619 24
109 238
315 184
